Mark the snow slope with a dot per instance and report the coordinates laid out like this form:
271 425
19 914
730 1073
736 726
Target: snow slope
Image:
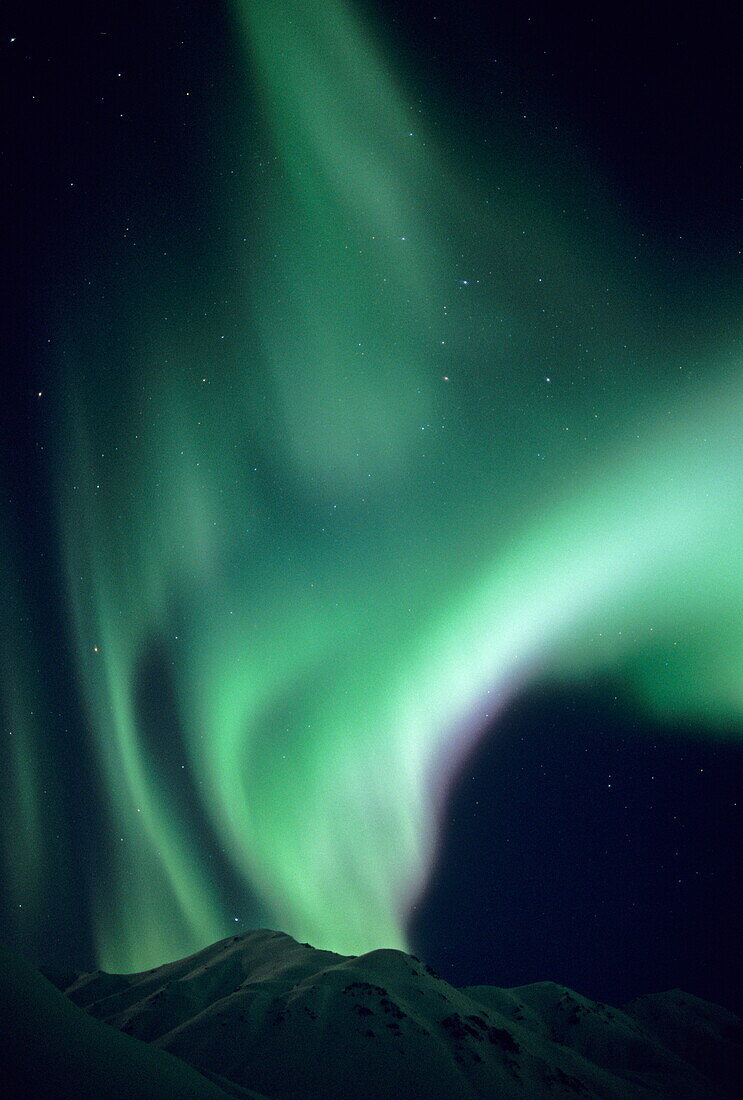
261 1011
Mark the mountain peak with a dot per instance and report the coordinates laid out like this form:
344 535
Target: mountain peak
258 1010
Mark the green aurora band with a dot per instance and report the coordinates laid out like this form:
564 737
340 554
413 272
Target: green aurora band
437 445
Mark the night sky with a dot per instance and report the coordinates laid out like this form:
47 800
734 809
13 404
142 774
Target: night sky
370 494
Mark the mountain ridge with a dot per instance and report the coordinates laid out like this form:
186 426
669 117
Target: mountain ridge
258 1010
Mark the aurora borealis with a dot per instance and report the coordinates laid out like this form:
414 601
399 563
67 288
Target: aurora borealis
346 447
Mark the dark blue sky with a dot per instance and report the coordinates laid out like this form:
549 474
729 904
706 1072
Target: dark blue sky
584 842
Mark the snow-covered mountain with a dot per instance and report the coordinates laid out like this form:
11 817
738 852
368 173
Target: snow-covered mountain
261 1012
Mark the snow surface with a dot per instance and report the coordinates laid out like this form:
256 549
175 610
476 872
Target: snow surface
261 1011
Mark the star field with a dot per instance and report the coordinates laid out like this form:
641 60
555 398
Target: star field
366 399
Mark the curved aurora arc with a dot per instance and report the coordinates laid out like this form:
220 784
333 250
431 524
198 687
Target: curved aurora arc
343 557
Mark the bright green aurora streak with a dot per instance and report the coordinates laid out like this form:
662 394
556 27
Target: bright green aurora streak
443 449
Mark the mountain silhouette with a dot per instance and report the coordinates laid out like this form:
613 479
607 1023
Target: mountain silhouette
259 1014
